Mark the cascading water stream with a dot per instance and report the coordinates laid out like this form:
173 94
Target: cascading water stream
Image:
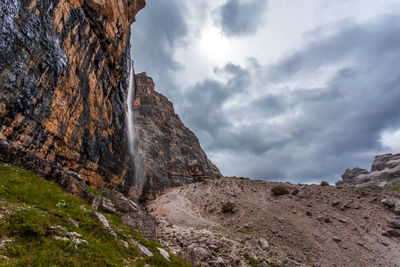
129 111
131 129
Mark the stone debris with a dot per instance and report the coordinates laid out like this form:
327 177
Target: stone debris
3 241
164 253
74 223
104 221
126 244
142 248
263 243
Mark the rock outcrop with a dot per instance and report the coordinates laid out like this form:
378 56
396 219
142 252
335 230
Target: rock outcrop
169 153
385 170
63 77
64 69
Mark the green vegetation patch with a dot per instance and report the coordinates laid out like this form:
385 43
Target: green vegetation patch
30 205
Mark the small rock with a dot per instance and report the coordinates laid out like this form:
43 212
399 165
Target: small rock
336 239
164 253
397 208
335 203
357 207
304 192
324 183
319 218
395 224
342 221
294 192
126 245
78 241
74 223
394 232
263 243
309 213
388 202
61 238
104 221
3 241
142 248
57 230
327 220
280 190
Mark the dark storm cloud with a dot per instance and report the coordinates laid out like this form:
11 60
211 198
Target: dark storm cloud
238 17
160 28
298 131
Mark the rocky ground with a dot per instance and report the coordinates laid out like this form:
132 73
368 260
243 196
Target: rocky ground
238 222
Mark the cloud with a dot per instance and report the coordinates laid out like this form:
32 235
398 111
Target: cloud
159 30
277 125
239 17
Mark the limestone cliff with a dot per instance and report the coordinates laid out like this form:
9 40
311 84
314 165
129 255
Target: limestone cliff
64 67
169 153
385 171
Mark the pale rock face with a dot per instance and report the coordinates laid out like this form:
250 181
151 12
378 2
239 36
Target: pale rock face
385 170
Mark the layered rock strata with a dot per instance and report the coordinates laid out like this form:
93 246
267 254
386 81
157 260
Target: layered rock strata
63 75
385 170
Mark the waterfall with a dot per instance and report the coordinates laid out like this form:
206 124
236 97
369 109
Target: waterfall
129 111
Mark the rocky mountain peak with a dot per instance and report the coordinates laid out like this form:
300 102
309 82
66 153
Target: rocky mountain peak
385 170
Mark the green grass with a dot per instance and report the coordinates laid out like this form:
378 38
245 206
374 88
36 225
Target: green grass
34 204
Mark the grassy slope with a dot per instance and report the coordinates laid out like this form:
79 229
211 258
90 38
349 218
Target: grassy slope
30 204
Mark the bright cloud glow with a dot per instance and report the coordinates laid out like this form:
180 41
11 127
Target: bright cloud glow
391 140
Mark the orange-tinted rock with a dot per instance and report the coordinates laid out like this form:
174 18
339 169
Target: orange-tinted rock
64 68
63 78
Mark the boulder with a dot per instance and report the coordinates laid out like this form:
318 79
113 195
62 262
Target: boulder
104 221
229 207
393 232
121 203
388 202
280 190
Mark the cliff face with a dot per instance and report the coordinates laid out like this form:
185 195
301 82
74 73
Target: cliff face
63 77
385 171
64 69
169 153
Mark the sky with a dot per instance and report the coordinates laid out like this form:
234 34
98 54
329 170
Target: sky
278 90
